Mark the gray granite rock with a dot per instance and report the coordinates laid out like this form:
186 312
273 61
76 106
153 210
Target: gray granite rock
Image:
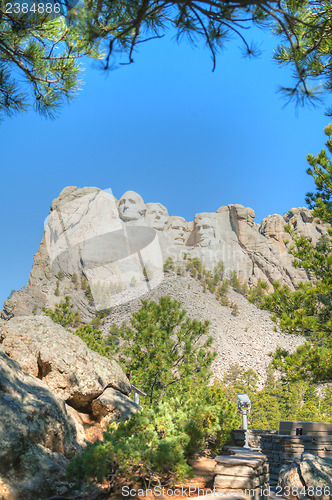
113 405
61 359
36 435
309 471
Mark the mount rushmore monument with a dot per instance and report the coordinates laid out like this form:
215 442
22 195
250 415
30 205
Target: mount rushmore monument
123 244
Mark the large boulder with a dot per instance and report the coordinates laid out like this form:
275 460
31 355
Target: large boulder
61 359
310 473
36 434
113 405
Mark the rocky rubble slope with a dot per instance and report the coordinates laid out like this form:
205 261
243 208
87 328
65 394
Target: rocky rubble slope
246 338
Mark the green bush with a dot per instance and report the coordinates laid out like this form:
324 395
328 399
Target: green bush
96 323
223 288
234 281
258 292
150 445
224 301
11 294
88 294
84 282
195 268
235 309
237 286
219 271
155 444
169 265
93 339
74 280
64 314
211 417
211 285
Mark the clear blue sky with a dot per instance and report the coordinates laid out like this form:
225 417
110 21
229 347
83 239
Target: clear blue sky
168 128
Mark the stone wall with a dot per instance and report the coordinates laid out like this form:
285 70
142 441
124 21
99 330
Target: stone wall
254 437
283 449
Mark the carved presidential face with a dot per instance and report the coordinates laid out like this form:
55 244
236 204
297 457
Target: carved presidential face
131 206
205 232
156 216
177 229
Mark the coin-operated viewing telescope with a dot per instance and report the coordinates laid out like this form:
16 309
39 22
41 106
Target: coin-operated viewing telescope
244 405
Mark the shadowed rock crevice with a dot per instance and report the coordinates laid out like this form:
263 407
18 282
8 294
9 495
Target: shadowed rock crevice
44 368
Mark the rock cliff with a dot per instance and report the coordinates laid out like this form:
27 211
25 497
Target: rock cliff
109 254
310 474
113 244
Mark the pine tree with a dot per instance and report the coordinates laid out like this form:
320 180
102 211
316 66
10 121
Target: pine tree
64 313
308 310
44 49
163 348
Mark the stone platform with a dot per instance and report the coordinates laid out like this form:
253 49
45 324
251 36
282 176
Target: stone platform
243 472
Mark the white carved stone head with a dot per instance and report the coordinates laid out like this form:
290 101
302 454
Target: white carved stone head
156 216
131 207
177 229
204 227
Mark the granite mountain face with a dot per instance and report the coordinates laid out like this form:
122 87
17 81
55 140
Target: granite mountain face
231 235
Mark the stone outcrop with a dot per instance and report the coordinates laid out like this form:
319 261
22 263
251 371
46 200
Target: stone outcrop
112 405
55 395
302 222
36 434
62 360
310 474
